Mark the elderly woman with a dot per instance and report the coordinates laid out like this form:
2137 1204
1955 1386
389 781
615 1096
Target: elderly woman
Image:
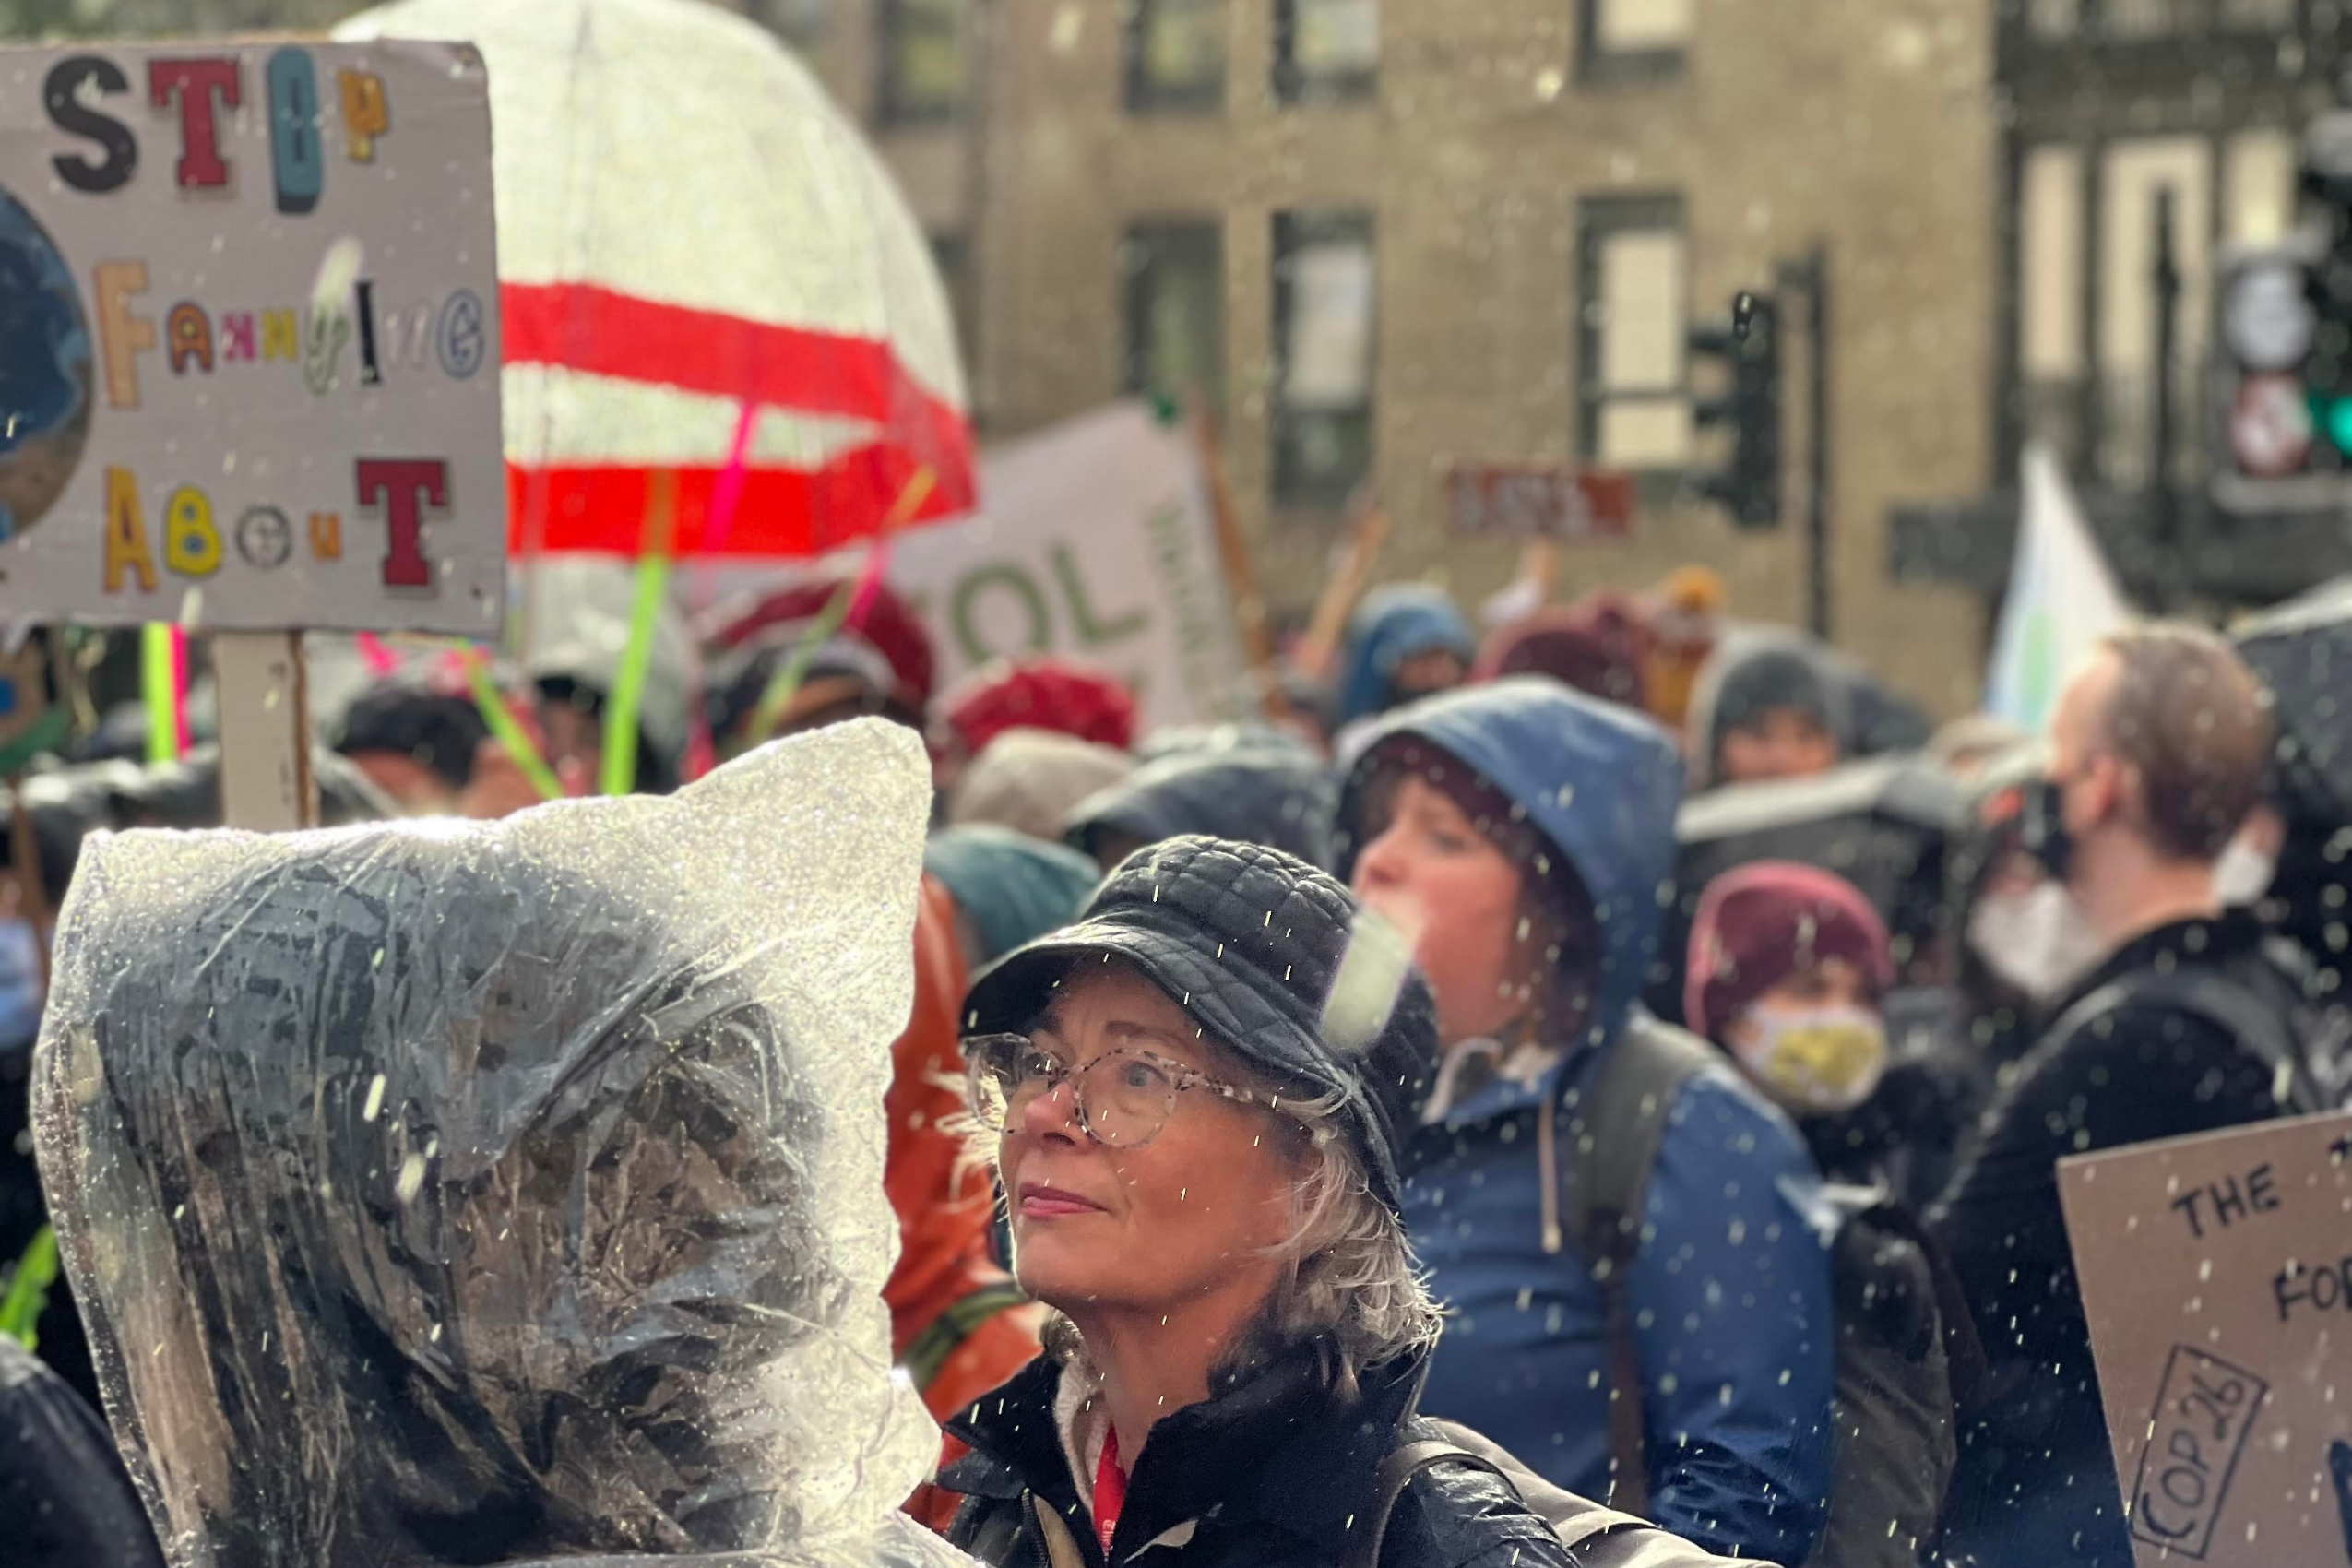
1196 1095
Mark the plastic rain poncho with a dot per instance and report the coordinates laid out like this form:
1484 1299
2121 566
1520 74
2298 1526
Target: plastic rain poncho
442 1192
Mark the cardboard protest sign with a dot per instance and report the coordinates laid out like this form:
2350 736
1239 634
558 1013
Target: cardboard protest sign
1093 541
2216 1272
1538 501
249 337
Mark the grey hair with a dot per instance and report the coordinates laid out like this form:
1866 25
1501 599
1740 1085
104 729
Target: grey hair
1352 1275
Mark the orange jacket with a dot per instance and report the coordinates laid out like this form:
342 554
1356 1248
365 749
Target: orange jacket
942 1198
944 1202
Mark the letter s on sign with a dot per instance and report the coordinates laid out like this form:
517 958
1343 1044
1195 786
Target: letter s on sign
61 93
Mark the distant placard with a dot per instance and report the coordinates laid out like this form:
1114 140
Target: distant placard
2217 1275
1525 501
249 371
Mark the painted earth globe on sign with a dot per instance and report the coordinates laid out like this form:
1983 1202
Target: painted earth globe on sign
44 371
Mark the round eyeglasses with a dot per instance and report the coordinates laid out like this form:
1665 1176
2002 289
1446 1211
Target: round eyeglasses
1121 1098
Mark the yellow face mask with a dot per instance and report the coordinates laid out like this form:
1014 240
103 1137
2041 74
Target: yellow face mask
1815 1060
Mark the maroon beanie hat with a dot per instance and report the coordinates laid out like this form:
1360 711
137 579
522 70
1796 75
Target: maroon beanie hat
1758 925
1580 647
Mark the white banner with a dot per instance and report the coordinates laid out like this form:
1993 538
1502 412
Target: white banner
249 337
2061 600
1094 542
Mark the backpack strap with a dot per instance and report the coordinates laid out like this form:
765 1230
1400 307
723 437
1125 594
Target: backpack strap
2260 1028
1396 1472
1619 1125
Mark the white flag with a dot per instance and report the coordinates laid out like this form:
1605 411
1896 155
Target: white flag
2063 599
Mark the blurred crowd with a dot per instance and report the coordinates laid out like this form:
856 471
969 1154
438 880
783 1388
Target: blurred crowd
1748 1014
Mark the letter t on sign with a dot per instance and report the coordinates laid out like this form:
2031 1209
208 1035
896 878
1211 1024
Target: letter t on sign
194 81
400 482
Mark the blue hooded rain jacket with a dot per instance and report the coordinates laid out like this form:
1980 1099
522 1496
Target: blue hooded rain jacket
1730 1290
1393 625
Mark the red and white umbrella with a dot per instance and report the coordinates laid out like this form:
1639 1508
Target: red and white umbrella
700 260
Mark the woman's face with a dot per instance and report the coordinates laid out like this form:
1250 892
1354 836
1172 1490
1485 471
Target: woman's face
1199 1211
1781 743
1833 982
1458 897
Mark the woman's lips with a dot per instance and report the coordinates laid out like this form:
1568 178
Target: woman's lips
1052 1203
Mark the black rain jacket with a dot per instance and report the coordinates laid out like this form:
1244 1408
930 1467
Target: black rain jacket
1276 1467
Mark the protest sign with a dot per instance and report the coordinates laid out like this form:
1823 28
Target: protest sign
1094 542
2217 1274
1538 501
249 337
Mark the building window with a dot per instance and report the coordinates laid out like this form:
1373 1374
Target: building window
1325 50
1175 293
2258 187
1325 317
926 73
801 23
1176 54
2050 240
2134 176
2260 15
1633 330
952 254
2127 20
2053 18
1632 39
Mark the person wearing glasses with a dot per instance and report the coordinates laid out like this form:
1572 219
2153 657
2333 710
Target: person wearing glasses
1194 1098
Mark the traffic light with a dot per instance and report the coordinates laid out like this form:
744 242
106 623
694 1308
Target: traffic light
2283 380
1749 349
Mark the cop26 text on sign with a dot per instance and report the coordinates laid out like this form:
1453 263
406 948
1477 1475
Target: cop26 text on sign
249 337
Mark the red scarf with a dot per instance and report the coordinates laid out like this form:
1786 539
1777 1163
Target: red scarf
1109 1491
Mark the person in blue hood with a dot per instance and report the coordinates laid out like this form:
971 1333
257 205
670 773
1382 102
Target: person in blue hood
1524 834
1405 640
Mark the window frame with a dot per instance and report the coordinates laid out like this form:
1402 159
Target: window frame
1600 219
955 258
1294 229
1598 64
1198 238
1140 94
892 106
1296 88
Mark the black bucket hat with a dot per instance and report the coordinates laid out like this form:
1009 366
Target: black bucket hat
1276 962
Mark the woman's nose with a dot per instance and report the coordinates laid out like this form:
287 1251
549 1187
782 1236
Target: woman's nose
1381 864
1053 1114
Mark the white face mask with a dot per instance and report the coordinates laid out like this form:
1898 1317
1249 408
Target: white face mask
1813 1060
2242 874
2036 941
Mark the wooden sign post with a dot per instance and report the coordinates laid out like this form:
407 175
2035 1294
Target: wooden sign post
266 781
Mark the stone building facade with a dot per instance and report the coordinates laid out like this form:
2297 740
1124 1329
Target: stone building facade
1549 192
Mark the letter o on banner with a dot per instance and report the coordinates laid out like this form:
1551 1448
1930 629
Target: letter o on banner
963 607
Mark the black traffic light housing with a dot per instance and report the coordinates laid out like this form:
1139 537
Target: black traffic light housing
1749 349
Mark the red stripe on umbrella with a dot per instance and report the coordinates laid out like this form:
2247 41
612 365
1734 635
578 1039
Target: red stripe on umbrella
783 511
583 327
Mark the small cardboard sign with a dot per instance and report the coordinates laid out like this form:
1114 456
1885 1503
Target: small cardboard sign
2216 1272
1523 501
249 363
